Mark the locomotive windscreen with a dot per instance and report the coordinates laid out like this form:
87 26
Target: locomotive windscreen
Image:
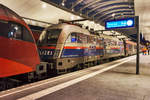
50 37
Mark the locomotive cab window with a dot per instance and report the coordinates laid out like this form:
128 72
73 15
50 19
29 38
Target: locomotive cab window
52 35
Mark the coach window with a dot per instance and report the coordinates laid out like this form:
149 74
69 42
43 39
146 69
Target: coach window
15 31
115 43
90 40
95 40
79 38
130 46
85 39
4 28
27 36
135 47
99 41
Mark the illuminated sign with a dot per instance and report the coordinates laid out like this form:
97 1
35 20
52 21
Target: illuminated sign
122 23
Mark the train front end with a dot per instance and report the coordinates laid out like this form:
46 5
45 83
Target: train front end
18 52
48 46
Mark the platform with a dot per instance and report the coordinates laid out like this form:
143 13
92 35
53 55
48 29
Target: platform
111 81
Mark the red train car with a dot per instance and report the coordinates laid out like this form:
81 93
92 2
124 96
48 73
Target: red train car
18 51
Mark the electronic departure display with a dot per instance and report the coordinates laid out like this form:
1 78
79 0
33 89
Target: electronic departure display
122 23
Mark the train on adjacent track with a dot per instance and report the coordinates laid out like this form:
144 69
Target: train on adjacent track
61 48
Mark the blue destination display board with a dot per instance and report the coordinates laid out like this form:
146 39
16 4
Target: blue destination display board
122 23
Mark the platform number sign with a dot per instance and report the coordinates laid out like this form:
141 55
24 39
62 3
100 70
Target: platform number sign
121 23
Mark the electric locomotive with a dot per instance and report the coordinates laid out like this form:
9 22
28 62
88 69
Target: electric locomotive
68 46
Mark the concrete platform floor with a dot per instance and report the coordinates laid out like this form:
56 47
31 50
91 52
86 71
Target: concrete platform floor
120 83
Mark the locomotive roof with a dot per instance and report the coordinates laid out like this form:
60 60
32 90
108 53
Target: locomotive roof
69 28
109 37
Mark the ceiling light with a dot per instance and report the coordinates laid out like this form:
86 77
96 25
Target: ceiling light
78 17
113 14
72 17
44 5
63 4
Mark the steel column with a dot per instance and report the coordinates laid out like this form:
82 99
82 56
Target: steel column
138 45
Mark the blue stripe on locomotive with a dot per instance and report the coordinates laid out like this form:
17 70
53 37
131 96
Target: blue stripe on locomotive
81 52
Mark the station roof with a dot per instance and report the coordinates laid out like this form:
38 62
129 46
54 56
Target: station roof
99 10
95 10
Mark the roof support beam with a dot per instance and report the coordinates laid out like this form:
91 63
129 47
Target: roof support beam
115 12
75 4
103 4
116 16
110 8
89 4
119 16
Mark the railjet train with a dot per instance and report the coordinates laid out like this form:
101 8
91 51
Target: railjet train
18 51
61 48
